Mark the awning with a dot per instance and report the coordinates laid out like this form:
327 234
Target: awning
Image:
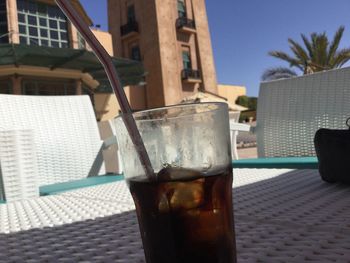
130 72
208 97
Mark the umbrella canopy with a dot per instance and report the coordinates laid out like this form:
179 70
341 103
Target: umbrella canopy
130 72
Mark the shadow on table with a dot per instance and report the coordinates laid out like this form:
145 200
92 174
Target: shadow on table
292 217
110 239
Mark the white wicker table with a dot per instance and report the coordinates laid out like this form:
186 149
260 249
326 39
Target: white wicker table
281 216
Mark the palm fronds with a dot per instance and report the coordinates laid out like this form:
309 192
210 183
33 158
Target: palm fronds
318 54
278 73
335 43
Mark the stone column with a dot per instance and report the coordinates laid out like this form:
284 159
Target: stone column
78 87
205 51
12 21
74 37
16 85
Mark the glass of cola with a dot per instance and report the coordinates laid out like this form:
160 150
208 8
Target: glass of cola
186 213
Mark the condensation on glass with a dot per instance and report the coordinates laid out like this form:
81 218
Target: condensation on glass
180 136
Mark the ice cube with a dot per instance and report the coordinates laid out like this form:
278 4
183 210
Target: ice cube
187 195
182 189
163 203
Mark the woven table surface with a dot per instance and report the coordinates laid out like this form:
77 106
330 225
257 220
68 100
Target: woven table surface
281 216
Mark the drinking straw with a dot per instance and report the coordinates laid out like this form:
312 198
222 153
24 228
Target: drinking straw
113 77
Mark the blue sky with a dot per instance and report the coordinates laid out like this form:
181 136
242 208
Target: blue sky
243 31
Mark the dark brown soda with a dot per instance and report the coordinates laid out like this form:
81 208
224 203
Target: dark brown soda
186 219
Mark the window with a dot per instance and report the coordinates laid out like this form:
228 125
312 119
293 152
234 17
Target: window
42 87
4 38
22 29
181 8
31 20
33 31
186 58
136 53
44 33
41 24
21 18
131 14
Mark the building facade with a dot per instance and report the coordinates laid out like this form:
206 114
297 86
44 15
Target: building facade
42 53
40 23
231 92
172 39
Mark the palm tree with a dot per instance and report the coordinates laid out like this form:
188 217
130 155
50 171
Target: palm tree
317 55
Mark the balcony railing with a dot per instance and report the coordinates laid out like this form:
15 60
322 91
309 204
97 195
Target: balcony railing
187 74
130 27
185 22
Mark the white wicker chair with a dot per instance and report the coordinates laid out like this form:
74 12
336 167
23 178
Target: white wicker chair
290 111
112 126
67 144
235 128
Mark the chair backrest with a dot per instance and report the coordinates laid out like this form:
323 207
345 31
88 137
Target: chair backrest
290 111
119 162
234 115
66 136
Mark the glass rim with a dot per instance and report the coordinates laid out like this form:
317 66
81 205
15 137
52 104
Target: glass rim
220 106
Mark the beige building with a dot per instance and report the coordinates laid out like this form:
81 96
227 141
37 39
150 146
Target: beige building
41 53
231 92
105 39
40 23
172 39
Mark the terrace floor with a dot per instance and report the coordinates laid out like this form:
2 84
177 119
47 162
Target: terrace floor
245 153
